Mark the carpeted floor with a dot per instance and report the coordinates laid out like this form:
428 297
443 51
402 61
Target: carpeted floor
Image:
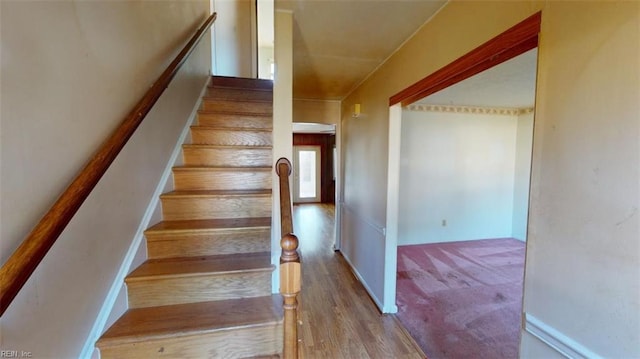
462 299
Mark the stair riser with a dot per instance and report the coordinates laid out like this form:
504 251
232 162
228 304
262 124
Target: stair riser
194 289
182 208
239 94
234 120
238 343
230 138
208 243
258 107
221 180
228 157
238 82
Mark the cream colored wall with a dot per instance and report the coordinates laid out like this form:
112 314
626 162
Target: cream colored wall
70 72
233 39
316 111
458 168
583 262
282 121
522 176
583 259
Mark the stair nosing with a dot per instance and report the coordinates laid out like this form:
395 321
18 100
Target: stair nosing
154 238
241 113
217 193
212 86
239 129
221 168
255 262
231 147
149 278
130 339
214 98
210 225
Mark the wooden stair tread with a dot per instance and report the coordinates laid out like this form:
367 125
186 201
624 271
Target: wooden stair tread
150 323
209 224
222 168
237 113
220 193
215 98
233 147
243 129
229 263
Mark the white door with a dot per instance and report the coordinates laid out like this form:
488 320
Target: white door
306 174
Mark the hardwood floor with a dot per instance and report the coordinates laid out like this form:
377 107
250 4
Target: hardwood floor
339 320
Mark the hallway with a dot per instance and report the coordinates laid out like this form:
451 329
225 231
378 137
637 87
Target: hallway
339 318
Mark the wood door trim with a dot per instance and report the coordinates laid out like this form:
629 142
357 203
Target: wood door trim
517 40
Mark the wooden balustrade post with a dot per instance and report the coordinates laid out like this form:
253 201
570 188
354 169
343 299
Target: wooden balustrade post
290 268
289 288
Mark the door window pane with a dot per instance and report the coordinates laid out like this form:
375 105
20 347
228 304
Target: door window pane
307 175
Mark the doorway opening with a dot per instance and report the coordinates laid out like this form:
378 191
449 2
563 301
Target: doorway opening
460 144
314 178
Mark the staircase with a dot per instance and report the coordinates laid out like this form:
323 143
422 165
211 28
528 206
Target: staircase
205 290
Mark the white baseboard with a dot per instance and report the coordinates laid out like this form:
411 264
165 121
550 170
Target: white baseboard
557 340
116 287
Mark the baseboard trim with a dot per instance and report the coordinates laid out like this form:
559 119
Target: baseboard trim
557 340
116 286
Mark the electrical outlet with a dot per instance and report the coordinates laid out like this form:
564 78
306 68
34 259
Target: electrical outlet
444 222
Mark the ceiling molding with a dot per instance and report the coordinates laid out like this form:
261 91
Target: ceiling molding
473 110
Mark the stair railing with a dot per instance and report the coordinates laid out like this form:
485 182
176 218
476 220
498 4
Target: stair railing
19 267
290 267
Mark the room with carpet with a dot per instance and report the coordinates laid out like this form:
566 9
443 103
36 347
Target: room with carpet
463 203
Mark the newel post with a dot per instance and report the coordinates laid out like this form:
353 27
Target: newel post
289 288
289 263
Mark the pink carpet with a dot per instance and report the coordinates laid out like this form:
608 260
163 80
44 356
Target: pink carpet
462 299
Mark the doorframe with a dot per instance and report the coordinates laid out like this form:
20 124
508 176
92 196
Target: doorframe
515 41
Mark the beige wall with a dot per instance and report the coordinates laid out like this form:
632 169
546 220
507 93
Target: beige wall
459 168
282 122
582 273
316 111
70 72
233 38
583 248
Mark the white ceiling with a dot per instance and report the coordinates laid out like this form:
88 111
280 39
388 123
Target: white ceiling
338 43
512 84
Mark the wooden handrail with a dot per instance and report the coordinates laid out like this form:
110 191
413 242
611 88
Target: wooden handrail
19 267
290 267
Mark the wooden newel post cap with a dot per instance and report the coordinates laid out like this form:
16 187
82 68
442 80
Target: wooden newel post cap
289 244
283 163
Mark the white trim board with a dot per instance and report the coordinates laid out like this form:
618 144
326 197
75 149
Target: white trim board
364 219
393 208
557 340
117 285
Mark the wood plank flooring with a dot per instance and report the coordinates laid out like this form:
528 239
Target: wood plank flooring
339 320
